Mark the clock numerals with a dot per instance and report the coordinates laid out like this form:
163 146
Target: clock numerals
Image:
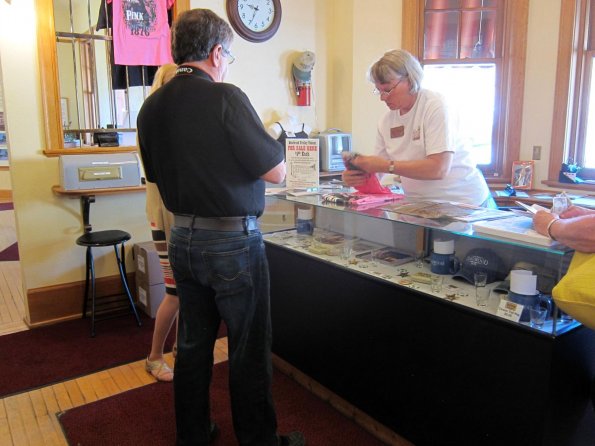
254 20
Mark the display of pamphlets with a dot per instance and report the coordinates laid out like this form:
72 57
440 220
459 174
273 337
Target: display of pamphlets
446 210
516 228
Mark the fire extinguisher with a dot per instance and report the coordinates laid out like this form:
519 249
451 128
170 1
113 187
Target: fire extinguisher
302 67
303 94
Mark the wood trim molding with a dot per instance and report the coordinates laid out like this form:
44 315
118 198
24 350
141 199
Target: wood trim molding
64 301
562 91
77 193
517 12
410 40
180 6
5 195
48 70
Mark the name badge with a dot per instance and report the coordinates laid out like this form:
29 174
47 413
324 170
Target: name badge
397 132
289 134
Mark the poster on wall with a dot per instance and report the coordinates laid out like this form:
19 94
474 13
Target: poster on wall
522 174
302 163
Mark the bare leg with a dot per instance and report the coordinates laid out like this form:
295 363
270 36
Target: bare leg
164 319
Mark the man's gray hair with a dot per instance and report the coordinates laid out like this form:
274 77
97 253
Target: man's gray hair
396 64
196 32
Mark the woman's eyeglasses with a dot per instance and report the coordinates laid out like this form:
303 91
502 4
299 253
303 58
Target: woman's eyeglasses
382 93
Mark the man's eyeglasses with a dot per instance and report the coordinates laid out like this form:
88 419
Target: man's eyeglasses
382 93
230 56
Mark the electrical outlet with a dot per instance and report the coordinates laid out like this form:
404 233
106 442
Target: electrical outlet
536 152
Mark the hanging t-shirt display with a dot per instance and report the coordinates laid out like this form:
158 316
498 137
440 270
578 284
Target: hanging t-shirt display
141 34
124 76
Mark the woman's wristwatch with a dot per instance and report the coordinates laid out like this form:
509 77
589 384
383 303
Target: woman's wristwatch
391 167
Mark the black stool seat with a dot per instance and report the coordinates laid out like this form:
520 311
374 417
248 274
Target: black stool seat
103 238
96 239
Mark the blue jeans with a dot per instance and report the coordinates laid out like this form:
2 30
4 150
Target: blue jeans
223 275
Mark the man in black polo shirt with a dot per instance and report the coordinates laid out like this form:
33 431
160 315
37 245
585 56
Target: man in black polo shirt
203 144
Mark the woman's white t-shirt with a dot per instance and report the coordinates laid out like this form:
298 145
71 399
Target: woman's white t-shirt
424 130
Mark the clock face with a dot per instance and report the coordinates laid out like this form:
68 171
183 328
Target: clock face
254 20
256 15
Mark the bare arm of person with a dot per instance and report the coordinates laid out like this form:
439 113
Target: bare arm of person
276 175
432 167
577 233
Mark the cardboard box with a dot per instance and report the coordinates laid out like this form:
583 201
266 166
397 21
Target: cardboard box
149 297
146 259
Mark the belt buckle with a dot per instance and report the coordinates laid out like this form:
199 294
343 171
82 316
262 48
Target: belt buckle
250 224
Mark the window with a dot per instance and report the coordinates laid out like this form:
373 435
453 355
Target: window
573 127
471 51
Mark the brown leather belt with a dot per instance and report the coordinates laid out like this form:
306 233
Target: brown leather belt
226 224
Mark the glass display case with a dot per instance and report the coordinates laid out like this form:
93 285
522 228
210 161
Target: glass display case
395 242
369 303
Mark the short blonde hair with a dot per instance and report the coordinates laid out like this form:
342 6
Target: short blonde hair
163 75
396 64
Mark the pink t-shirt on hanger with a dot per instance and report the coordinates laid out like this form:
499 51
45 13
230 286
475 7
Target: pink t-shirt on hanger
141 32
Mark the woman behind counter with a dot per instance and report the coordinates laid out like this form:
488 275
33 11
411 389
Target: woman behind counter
415 139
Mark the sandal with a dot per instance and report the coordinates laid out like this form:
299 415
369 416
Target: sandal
160 370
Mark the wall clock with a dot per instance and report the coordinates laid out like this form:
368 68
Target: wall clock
254 20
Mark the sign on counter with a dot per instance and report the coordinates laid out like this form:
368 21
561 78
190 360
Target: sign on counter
302 163
509 310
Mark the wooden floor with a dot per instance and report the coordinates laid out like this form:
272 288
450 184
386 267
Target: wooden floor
12 308
29 418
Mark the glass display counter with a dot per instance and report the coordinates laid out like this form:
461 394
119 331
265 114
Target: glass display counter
353 307
397 248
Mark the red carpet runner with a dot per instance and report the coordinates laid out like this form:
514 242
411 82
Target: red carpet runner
146 416
46 355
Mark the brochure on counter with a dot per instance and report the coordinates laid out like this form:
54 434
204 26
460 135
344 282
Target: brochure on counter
447 210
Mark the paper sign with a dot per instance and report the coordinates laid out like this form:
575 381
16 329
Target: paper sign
509 310
302 163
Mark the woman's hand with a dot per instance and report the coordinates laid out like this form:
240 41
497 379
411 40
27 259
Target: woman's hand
354 178
575 211
541 219
370 164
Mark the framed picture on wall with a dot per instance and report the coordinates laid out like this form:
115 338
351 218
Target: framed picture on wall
522 174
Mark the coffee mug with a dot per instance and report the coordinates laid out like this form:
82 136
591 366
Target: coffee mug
444 263
528 302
